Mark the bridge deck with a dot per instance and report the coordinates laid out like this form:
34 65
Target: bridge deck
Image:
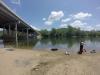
8 17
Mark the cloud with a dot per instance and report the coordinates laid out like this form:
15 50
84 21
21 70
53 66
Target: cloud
81 16
76 21
63 25
54 16
48 22
78 24
94 27
97 27
16 2
87 28
84 26
66 20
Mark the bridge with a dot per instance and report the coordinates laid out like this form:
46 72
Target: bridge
13 24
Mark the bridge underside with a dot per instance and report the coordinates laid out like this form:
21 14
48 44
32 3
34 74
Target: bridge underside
13 24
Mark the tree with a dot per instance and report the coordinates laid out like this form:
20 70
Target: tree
44 33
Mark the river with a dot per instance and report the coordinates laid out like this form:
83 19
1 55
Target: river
70 44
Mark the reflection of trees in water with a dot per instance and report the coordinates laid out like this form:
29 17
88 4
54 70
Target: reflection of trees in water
45 41
69 41
94 39
27 44
57 41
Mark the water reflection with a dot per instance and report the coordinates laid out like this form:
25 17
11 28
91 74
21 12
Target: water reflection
22 43
1 43
71 44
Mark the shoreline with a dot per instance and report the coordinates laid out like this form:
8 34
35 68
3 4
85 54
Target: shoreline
32 62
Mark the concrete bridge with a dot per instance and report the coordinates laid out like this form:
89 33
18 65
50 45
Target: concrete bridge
12 23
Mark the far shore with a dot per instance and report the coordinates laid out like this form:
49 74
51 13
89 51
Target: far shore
42 62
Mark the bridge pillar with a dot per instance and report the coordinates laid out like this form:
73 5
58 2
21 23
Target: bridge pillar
4 35
9 30
16 32
27 34
3 30
16 35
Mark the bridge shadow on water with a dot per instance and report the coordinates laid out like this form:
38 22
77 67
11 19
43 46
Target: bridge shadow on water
22 43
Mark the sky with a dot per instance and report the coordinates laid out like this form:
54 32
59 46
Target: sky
48 14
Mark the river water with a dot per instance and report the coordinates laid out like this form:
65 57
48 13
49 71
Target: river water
70 44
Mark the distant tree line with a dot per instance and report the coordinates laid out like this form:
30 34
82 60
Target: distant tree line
68 32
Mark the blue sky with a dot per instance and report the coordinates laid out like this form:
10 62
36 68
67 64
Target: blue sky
47 14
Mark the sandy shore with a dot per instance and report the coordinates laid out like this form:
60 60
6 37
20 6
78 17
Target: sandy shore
28 62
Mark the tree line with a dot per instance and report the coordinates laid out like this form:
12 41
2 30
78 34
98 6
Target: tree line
68 32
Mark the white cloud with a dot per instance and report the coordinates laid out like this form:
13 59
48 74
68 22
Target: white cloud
77 24
35 27
81 15
54 16
75 20
87 28
16 2
66 20
48 22
97 27
63 25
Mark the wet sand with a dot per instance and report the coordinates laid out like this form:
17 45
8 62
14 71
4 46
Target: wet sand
29 62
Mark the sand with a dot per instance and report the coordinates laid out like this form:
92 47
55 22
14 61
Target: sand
29 62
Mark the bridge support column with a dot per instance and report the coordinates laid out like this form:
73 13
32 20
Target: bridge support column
3 30
16 35
27 37
9 30
4 36
27 34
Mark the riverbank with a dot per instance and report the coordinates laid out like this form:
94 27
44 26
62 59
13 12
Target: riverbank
29 62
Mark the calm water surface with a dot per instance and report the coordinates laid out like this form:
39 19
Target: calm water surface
70 44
